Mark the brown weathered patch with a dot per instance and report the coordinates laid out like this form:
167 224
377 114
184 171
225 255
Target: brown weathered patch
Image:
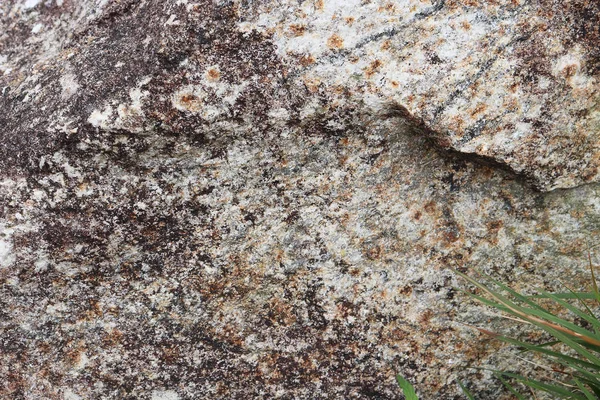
374 252
335 42
373 68
430 207
190 102
213 74
425 317
406 291
297 29
388 8
307 60
479 108
112 338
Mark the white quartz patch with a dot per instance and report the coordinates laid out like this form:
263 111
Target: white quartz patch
99 119
37 28
70 395
6 255
31 4
165 395
69 85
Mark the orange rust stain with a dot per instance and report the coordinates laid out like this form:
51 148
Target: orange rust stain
373 68
349 20
406 290
74 355
494 226
307 60
297 29
478 109
426 317
487 172
417 215
112 338
465 25
170 355
389 8
450 236
374 253
188 99
457 122
569 71
590 173
335 42
313 85
213 74
429 207
320 5
395 84
386 44
94 311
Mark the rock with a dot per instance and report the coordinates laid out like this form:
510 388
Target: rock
517 83
266 200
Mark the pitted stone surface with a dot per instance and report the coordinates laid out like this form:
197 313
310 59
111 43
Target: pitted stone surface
214 200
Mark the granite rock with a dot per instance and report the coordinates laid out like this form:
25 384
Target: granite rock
514 82
206 200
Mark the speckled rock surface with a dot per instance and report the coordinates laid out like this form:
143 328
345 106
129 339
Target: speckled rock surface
514 82
233 200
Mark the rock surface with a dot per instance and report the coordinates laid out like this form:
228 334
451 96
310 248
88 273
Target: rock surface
265 200
515 82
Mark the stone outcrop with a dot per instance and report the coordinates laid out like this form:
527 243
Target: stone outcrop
266 199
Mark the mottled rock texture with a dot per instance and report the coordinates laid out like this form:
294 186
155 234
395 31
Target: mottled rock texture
238 200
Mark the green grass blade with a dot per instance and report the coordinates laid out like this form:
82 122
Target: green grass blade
587 309
584 390
561 358
509 386
546 344
594 283
523 313
583 315
494 294
466 391
407 389
559 391
595 389
590 378
566 339
538 313
517 295
567 296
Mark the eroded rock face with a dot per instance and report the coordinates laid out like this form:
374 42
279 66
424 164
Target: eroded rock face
231 200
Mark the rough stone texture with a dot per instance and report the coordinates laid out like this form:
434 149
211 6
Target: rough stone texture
205 200
516 82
